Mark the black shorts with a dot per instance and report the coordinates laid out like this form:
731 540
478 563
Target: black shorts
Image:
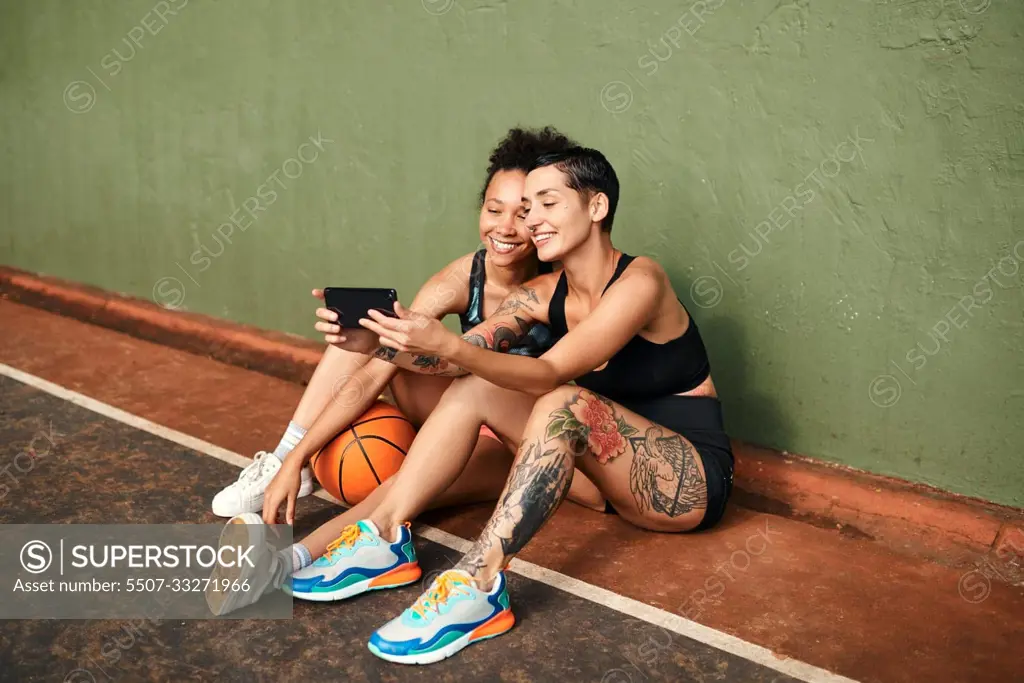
699 420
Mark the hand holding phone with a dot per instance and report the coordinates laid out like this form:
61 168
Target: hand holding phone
346 306
353 303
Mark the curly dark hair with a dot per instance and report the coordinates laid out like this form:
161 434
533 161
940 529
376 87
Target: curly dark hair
520 149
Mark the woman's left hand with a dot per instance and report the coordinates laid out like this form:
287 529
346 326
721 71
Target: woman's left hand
411 331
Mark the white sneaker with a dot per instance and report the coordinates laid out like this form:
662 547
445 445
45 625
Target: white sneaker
246 494
243 583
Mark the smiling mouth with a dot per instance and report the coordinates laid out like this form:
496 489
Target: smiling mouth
542 238
503 247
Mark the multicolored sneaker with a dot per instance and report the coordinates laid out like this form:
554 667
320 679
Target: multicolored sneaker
357 562
452 614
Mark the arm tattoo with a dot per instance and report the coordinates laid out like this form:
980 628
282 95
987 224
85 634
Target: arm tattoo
501 337
435 365
524 297
424 365
537 485
504 338
430 362
664 475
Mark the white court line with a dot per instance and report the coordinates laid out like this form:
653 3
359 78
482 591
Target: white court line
620 603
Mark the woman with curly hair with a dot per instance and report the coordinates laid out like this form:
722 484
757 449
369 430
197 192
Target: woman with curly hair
472 286
641 419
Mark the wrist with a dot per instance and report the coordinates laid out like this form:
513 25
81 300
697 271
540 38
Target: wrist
451 346
294 460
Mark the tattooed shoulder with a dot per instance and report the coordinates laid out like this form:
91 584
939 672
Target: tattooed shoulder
523 298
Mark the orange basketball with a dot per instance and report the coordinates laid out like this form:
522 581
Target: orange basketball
357 460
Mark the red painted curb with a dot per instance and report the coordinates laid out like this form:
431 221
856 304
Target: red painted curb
907 517
286 356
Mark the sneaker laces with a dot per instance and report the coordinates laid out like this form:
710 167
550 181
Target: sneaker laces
254 471
443 586
348 538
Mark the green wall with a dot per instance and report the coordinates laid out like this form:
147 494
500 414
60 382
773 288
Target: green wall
836 187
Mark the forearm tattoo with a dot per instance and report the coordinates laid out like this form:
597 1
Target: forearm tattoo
424 365
538 483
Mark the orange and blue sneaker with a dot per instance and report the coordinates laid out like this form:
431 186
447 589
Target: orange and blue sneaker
357 562
452 614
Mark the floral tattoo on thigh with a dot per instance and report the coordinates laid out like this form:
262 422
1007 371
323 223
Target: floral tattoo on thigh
589 422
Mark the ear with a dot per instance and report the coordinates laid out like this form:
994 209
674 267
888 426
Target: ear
598 207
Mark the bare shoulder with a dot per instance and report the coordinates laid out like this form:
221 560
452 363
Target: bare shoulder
460 268
531 298
644 272
647 265
544 285
447 290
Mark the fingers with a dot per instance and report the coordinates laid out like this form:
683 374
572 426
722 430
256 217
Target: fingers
270 511
327 315
386 320
289 515
377 328
328 328
319 294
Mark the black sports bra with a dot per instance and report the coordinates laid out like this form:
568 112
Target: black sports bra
539 338
641 369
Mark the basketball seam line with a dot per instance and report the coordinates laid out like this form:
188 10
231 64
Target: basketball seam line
366 456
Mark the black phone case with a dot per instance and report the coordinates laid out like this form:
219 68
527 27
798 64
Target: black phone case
353 303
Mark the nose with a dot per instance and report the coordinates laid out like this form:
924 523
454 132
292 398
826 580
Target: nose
507 225
533 221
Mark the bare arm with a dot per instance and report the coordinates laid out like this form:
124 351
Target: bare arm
444 293
625 309
504 329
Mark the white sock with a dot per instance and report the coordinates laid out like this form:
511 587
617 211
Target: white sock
297 555
292 436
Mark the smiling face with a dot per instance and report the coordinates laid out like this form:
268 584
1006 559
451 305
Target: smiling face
502 229
559 218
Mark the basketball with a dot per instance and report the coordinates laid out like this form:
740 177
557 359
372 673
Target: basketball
357 460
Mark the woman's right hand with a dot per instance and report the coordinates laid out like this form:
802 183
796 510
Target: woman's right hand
283 488
356 340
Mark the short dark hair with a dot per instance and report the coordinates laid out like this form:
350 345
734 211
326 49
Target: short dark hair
520 149
588 172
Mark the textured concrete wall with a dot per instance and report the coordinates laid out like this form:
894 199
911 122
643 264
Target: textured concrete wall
836 187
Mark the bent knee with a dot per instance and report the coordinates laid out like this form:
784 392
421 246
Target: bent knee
557 398
471 387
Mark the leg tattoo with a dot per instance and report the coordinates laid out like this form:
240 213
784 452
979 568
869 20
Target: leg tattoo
589 422
664 476
538 483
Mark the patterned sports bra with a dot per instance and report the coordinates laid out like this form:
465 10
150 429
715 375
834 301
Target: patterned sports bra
537 341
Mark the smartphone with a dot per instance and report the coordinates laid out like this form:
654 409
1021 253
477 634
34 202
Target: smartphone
353 303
